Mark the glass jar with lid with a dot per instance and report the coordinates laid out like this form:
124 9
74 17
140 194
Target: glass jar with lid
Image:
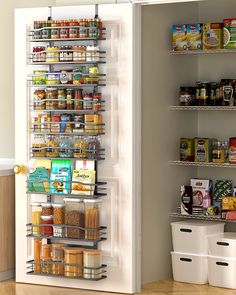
94 148
52 54
218 152
36 218
46 267
74 215
80 148
52 148
47 230
65 147
92 260
51 99
58 256
39 147
37 254
73 256
92 219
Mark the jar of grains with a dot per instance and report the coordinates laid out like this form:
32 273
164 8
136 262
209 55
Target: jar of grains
58 257
92 264
73 256
74 215
46 209
58 213
46 267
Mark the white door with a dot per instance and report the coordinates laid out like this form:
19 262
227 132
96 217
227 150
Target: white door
121 251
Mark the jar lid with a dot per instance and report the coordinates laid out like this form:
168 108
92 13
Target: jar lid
58 245
46 217
46 205
47 246
93 252
58 205
73 250
92 200
72 200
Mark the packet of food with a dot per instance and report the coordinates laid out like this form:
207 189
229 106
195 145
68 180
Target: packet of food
82 182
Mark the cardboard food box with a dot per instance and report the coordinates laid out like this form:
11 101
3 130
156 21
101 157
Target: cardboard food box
229 203
186 149
212 36
229 33
202 188
202 149
223 188
179 37
186 200
194 36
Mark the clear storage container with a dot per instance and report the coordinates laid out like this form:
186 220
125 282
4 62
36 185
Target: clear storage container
46 257
36 218
58 256
46 209
74 216
47 230
73 256
92 264
92 219
37 254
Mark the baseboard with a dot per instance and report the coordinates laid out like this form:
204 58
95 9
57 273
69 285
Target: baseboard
7 275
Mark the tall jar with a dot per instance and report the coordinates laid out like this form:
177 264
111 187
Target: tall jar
52 54
73 256
36 218
51 99
94 148
92 264
46 209
218 152
58 256
65 148
47 229
73 32
80 148
74 215
92 219
37 254
52 150
39 147
46 267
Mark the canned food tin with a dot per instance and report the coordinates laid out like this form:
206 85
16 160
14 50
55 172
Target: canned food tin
52 78
35 123
78 127
64 126
45 119
55 128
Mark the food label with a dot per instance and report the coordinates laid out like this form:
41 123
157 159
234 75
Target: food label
212 36
194 36
179 37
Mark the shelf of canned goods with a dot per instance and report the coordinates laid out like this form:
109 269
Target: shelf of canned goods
194 52
202 108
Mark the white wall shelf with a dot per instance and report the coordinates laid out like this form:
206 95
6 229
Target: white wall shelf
202 108
202 164
194 52
199 217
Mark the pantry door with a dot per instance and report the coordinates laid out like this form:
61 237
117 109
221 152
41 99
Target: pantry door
121 170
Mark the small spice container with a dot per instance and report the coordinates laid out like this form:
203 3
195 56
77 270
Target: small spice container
58 213
46 209
218 152
36 218
58 231
73 256
92 219
74 215
80 148
47 230
46 257
58 256
39 147
52 54
51 99
52 150
94 147
92 264
37 254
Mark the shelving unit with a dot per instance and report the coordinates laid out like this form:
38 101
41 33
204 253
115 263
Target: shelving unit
202 164
199 217
195 52
202 108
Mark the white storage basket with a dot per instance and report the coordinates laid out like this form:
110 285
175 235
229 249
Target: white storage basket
223 245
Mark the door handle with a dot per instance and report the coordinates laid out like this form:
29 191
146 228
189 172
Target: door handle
19 169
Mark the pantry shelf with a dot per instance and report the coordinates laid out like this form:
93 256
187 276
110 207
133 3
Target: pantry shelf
199 217
71 134
202 164
202 108
66 39
74 196
72 159
79 86
194 52
67 62
92 112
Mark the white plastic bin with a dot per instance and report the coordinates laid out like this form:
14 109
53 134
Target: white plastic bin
189 268
191 236
223 245
222 272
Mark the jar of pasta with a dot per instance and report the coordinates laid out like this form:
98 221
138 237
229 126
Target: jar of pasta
36 218
92 219
58 213
73 256
37 254
80 148
58 256
52 150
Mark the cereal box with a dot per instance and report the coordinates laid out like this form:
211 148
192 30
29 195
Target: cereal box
212 36
194 36
229 33
229 203
179 37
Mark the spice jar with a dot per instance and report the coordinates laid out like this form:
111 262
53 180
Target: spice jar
92 260
51 99
39 99
78 126
52 149
61 99
204 94
37 33
69 99
93 28
64 32
46 267
36 218
97 101
36 120
37 254
218 152
55 126
52 54
73 32
39 147
46 31
47 230
187 96
66 53
55 33
78 99
80 148
45 123
88 101
58 256
83 30
232 150
94 148
92 219
74 215
65 126
65 148
58 213
73 256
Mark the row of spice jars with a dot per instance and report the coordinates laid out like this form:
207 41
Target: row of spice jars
79 75
66 99
221 93
64 147
67 123
74 28
66 53
78 213
84 262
